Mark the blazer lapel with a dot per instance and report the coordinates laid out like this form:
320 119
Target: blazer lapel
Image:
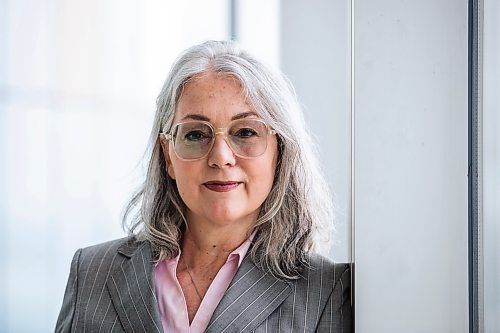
131 289
250 298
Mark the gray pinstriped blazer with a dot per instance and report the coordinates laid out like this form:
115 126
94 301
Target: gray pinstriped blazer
110 289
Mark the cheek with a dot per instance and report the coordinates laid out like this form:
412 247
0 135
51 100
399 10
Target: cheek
274 159
262 174
263 183
184 176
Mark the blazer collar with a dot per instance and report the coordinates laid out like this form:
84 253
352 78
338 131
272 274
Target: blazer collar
131 288
250 298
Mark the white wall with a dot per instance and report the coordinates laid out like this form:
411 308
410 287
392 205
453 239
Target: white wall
315 55
410 166
491 165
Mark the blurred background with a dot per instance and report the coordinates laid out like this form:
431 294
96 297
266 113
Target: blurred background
386 90
78 83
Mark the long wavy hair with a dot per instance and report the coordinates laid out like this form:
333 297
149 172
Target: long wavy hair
298 206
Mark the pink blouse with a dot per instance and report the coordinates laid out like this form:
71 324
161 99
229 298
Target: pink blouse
171 301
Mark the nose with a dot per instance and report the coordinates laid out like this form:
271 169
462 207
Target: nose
221 154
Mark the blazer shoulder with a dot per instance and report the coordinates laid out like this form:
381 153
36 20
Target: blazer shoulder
317 260
320 267
98 284
107 251
336 312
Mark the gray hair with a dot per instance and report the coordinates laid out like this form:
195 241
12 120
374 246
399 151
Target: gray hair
298 205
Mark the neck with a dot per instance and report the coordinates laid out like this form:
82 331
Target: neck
202 246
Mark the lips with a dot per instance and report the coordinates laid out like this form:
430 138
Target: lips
221 186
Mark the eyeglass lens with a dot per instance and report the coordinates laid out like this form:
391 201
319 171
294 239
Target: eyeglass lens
194 139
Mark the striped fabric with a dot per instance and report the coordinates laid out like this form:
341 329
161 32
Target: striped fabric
110 289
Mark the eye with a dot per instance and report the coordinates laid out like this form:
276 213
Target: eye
246 133
196 136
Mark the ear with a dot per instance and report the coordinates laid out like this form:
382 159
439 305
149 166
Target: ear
166 155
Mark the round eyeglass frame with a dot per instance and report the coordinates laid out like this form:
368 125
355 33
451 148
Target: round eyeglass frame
220 130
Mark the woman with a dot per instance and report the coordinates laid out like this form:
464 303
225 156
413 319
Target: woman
222 230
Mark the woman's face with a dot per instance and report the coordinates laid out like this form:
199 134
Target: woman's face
220 188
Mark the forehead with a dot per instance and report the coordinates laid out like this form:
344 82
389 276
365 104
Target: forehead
212 81
214 96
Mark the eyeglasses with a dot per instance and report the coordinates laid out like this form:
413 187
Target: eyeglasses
193 140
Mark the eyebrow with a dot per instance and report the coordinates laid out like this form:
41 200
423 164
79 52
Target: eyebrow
197 116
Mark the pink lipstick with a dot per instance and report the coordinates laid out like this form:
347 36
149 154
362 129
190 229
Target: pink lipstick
221 186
